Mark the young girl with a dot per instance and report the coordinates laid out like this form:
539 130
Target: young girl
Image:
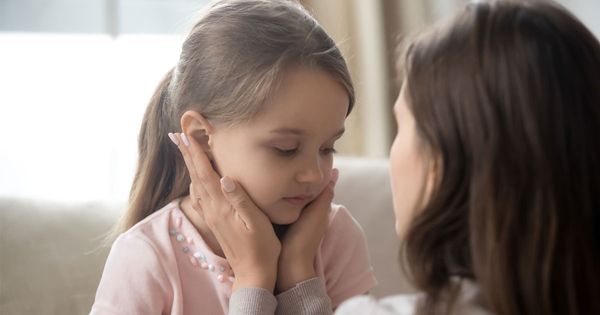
495 169
264 91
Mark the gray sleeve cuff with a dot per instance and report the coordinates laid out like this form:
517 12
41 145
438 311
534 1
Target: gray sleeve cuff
308 297
252 301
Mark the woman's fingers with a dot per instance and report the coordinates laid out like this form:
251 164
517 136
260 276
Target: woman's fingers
242 230
306 233
241 201
197 194
301 241
199 167
321 205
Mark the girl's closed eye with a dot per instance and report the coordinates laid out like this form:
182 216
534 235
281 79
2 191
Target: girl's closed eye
283 147
283 151
286 151
329 150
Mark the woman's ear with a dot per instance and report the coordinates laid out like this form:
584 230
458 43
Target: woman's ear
193 124
434 170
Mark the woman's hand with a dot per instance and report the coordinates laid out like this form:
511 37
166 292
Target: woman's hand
241 228
301 241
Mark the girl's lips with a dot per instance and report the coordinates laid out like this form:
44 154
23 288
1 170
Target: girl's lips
298 200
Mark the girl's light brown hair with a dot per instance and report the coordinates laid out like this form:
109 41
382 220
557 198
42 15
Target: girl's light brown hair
230 64
507 95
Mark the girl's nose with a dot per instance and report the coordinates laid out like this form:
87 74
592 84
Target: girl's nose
311 172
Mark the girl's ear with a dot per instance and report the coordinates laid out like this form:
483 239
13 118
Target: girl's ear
193 124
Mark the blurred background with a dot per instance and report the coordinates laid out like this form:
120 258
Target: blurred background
75 78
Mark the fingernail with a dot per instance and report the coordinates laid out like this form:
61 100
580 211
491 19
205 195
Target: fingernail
185 140
227 184
335 174
173 138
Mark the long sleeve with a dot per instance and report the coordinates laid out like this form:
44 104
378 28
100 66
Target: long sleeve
308 297
252 301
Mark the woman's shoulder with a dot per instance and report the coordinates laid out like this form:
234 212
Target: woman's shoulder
366 304
467 302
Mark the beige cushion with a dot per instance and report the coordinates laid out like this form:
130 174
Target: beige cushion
364 188
50 260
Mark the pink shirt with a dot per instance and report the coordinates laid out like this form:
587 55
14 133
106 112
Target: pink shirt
163 266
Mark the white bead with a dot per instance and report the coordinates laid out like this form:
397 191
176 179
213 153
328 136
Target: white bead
211 268
180 238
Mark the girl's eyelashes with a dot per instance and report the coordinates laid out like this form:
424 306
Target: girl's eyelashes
328 151
286 152
293 151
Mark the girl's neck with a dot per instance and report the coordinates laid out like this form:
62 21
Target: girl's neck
193 216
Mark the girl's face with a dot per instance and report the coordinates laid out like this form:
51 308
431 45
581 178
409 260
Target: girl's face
283 157
410 168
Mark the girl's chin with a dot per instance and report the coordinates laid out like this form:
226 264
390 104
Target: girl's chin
284 217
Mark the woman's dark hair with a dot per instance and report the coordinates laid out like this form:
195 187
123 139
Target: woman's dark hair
507 96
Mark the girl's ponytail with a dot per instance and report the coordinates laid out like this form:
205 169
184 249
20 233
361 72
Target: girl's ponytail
161 175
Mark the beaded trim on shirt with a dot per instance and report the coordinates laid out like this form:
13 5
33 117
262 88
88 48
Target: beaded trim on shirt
197 258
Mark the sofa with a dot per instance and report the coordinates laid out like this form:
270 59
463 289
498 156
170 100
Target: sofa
51 253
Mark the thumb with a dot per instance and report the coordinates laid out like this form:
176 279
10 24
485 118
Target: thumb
322 204
237 197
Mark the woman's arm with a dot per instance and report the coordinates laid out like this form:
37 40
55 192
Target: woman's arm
307 297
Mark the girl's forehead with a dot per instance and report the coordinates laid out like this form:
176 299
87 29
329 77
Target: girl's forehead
308 94
292 120
307 102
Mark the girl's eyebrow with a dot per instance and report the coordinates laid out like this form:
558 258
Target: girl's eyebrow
293 131
300 132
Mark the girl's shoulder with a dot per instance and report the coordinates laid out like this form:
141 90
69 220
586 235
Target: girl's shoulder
156 221
141 257
342 223
153 230
343 259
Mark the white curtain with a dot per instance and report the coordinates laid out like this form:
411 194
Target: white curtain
70 110
367 32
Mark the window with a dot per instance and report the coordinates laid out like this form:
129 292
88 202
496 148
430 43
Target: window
76 78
